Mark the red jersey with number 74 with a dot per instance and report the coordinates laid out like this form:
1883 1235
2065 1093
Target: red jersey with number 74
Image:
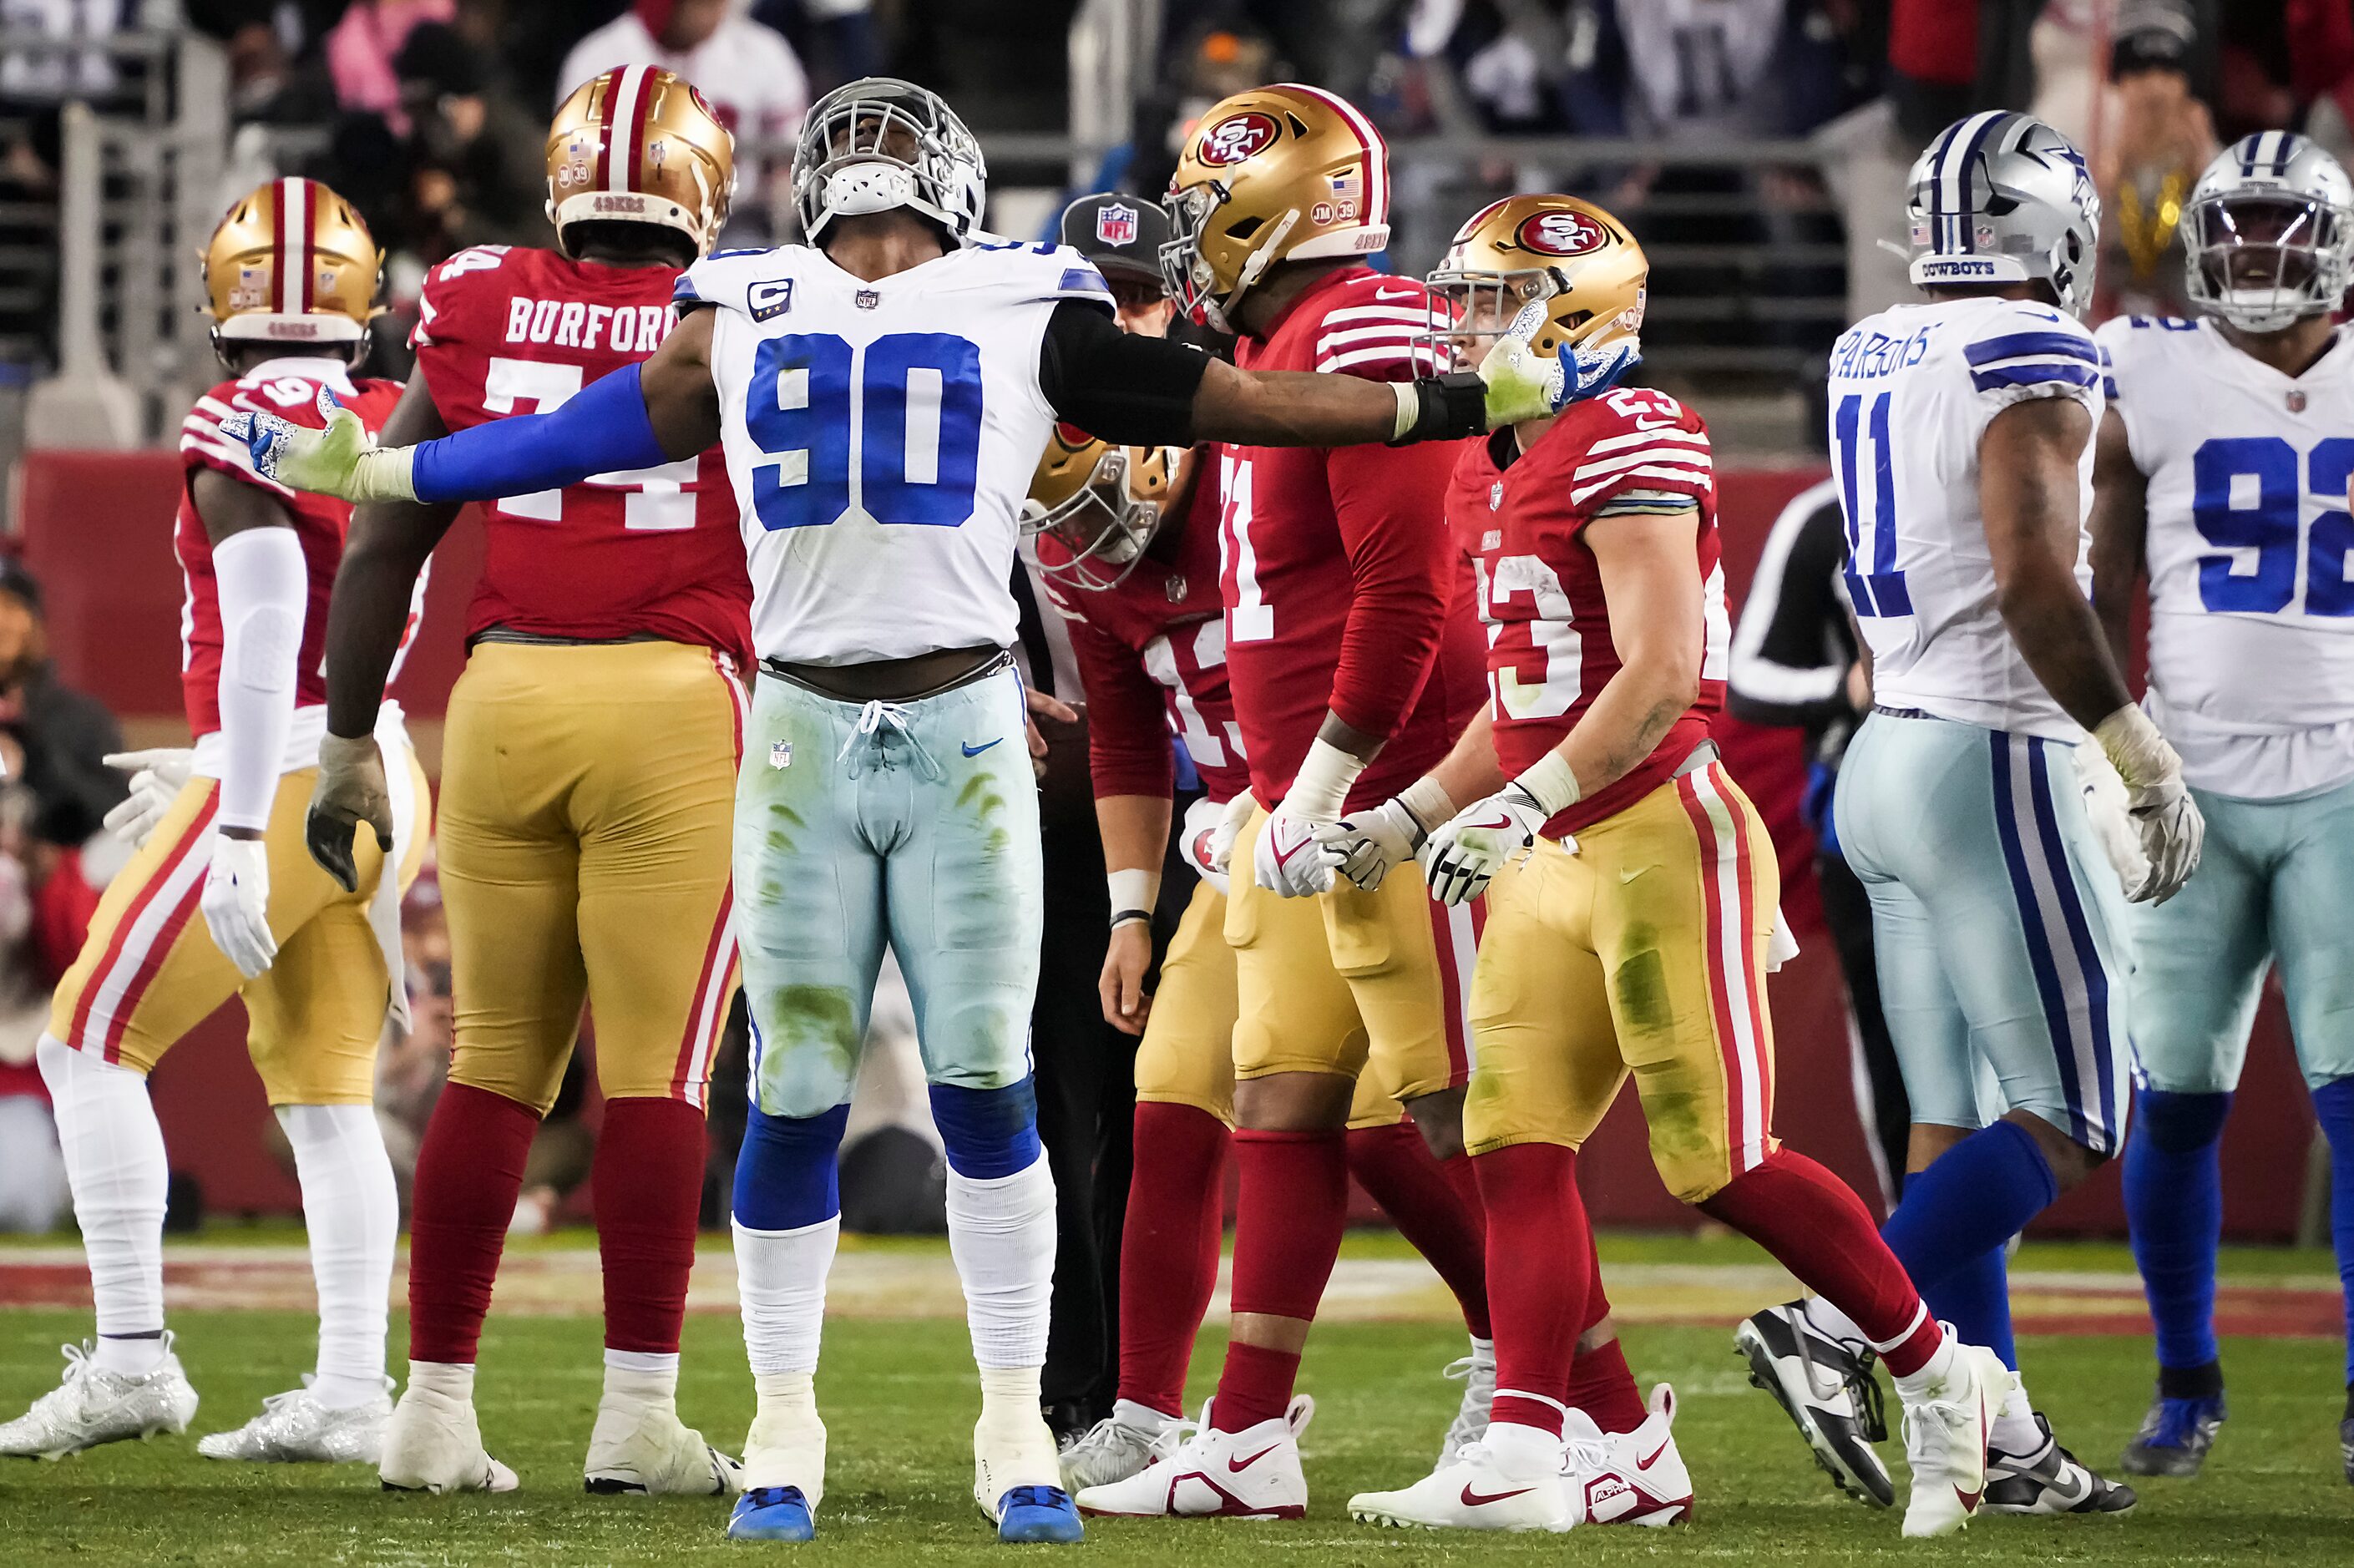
508 330
1629 453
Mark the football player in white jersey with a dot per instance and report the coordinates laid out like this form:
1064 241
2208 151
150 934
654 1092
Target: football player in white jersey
1961 438
2223 470
882 395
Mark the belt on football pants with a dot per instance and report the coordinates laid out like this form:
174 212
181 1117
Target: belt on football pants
777 669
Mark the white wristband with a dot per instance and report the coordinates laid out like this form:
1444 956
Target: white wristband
1133 894
385 474
1320 790
1550 783
1409 408
1427 802
2136 749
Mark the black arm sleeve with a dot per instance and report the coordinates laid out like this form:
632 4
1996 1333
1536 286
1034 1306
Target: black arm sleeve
1116 387
1793 648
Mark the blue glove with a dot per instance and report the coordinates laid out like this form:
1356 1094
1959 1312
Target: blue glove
1590 372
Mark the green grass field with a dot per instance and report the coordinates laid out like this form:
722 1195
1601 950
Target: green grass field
899 1401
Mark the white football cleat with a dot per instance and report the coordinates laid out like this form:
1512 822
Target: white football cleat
1634 1478
433 1444
91 1406
1471 1492
1945 1440
786 1447
641 1445
1252 1474
1120 1445
1478 1375
294 1428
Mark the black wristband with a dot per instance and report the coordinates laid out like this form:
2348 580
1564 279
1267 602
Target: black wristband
1453 405
1123 916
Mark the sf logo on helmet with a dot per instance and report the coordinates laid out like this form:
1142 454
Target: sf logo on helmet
1562 234
1232 140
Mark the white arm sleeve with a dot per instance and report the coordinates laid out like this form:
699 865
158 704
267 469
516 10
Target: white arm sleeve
264 591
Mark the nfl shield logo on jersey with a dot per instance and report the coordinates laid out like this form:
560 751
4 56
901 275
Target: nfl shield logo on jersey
1116 224
780 754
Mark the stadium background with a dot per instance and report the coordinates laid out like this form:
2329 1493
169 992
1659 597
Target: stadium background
1756 146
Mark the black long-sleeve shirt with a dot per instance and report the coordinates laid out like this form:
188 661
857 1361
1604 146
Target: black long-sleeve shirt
1795 643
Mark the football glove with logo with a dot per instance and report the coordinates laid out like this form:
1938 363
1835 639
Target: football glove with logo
1465 854
235 902
342 459
2165 816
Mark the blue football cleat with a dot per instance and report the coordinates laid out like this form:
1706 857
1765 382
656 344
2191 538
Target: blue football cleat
772 1513
2175 1436
1038 1513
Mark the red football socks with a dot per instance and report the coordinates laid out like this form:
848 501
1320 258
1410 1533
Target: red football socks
646 1190
1416 1190
1168 1249
468 1172
1819 1230
1540 1284
1294 1203
1600 1382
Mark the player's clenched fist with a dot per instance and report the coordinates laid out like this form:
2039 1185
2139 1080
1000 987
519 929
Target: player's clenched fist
2172 832
350 790
1469 848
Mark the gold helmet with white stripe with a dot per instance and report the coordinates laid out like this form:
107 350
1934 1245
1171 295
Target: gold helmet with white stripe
1094 507
292 263
1555 271
637 144
1287 173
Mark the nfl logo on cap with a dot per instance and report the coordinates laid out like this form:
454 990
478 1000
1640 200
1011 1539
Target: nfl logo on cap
1116 223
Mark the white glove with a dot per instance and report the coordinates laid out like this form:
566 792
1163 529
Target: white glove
1197 838
2112 820
1369 843
342 460
1471 846
156 780
1288 860
237 903
1221 846
2165 816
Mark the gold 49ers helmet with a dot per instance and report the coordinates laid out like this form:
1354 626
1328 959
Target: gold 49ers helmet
1094 507
1552 270
639 145
292 263
1284 173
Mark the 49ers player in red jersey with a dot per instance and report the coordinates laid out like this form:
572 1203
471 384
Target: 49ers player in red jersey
1128 542
220 900
588 784
1631 897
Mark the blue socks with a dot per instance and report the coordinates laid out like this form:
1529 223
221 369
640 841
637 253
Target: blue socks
2333 1102
2174 1211
1950 1229
787 1171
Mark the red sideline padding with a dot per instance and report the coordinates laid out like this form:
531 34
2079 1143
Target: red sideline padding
97 530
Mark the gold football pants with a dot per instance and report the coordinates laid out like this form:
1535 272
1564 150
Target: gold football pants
588 796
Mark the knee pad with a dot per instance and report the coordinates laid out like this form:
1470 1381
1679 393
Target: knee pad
2180 1123
787 1174
988 1132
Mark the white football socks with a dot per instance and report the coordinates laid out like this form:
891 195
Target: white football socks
781 1283
2014 1431
352 1210
113 1150
647 1376
1001 1236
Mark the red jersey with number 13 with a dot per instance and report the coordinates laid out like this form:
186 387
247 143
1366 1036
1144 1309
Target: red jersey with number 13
506 331
1550 648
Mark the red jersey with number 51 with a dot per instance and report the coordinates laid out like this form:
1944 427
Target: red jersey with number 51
288 387
1521 522
508 330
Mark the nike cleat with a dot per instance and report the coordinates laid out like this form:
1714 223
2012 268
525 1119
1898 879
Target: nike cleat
639 1445
1038 1514
295 1428
1471 1492
1635 1478
1477 1372
1945 1440
1827 1389
91 1406
1251 1473
1118 1446
433 1444
2174 1436
2049 1480
772 1513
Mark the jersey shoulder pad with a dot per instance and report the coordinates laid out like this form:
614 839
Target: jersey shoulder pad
2022 349
756 283
1026 272
1377 326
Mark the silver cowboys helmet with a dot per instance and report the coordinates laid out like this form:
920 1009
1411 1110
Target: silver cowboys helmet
2269 232
2001 198
878 144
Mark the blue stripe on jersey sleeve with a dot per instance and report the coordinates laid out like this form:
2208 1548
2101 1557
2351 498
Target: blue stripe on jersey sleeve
2033 376
2015 345
683 292
1086 278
